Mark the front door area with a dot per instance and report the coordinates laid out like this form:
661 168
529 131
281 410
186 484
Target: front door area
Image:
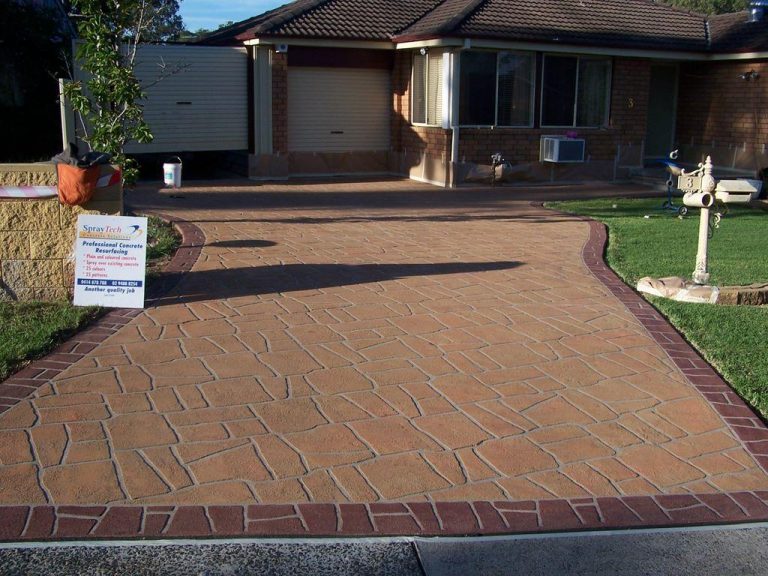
662 108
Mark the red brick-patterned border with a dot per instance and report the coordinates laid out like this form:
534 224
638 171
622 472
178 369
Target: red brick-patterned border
744 423
419 518
379 519
21 384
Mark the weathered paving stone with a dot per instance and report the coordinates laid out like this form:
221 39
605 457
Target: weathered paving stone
86 483
140 431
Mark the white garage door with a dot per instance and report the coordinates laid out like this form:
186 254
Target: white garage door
338 109
201 102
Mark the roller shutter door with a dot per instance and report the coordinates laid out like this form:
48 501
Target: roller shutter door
200 104
338 109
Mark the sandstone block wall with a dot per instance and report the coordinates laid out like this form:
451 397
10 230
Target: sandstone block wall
37 235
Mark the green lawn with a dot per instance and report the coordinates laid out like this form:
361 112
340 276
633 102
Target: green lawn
29 330
733 339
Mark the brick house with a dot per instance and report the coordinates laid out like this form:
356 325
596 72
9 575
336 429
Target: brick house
432 88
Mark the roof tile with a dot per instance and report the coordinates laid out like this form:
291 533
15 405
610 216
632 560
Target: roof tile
642 24
629 23
734 33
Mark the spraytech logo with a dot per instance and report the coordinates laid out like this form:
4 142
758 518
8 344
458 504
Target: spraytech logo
110 232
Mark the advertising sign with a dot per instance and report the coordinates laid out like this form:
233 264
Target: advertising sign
110 261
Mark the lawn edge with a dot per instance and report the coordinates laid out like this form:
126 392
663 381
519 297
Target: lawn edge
25 381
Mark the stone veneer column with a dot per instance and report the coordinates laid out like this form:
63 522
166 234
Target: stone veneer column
37 235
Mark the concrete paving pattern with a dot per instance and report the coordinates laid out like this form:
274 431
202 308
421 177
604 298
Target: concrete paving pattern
372 343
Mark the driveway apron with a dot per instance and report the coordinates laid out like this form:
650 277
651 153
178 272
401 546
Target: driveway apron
375 342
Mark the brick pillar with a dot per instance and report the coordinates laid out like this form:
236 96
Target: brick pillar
279 103
401 75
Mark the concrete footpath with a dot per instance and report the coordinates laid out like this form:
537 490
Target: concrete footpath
720 551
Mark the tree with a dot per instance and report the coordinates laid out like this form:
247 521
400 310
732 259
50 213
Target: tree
710 6
33 42
107 102
167 24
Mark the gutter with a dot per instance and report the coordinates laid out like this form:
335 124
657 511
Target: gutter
490 44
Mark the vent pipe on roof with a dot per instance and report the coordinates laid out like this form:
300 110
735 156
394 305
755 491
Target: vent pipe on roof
757 10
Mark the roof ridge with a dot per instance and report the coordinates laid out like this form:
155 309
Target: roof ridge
289 12
460 16
246 23
676 8
434 7
724 15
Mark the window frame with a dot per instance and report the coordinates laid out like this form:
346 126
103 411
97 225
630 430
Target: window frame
534 79
608 86
426 124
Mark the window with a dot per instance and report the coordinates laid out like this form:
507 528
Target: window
427 88
477 99
495 89
575 91
515 89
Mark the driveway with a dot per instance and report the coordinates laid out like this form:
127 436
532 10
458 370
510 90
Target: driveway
378 342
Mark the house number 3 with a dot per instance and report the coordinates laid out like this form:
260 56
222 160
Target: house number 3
630 103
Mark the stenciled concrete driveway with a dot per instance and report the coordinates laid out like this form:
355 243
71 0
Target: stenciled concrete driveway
375 342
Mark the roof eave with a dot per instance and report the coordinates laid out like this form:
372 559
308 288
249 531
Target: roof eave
319 41
427 40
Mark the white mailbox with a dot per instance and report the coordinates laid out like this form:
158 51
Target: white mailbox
738 191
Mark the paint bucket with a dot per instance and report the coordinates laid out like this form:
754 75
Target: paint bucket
172 172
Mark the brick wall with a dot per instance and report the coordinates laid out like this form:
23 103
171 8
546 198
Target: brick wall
279 103
715 105
405 137
37 236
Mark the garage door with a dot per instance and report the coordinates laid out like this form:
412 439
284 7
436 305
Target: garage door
201 102
338 109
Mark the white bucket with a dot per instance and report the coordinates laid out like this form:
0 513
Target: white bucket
172 173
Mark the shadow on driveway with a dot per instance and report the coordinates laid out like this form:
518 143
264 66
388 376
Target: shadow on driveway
242 244
238 282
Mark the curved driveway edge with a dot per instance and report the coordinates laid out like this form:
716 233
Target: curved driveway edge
38 372
744 423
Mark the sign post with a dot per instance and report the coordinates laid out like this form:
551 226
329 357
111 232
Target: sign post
110 261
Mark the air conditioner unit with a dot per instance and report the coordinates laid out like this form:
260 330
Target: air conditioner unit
561 149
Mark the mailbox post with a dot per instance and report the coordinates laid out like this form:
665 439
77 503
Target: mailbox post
699 187
700 191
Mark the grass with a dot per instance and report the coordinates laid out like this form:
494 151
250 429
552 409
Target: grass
732 338
29 330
